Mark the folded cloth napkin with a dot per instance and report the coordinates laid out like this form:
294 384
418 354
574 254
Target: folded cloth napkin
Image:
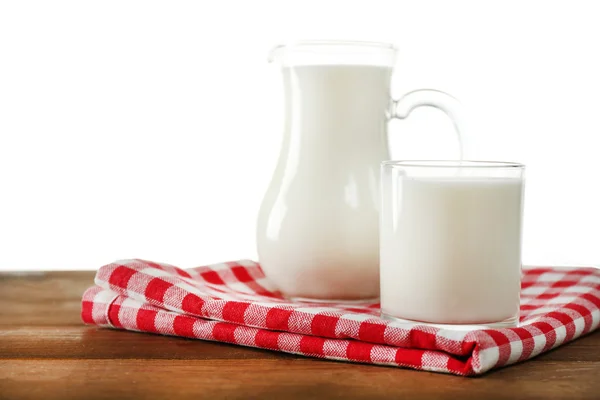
235 303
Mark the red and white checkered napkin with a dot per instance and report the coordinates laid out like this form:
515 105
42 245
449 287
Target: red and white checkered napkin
234 303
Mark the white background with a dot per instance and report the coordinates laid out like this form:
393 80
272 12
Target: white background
150 129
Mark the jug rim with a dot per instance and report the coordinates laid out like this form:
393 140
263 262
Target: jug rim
334 51
327 42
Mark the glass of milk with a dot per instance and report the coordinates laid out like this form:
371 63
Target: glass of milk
450 242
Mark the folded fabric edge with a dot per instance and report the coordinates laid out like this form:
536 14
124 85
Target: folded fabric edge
151 285
105 308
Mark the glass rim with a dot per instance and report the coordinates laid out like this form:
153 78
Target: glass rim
451 164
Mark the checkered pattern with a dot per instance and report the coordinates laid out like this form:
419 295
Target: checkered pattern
234 303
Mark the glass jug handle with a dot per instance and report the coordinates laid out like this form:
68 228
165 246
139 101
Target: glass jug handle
434 98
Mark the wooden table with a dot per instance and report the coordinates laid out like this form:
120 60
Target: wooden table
46 352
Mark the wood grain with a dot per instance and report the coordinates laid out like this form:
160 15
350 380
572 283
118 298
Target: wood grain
45 352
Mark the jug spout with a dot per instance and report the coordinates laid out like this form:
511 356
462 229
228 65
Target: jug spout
275 53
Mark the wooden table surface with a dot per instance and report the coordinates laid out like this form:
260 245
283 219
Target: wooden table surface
46 352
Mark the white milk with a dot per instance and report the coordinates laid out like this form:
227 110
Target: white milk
317 229
451 253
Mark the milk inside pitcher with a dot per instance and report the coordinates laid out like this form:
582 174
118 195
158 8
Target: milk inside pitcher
318 225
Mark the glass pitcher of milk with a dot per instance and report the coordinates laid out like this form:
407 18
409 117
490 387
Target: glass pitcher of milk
317 230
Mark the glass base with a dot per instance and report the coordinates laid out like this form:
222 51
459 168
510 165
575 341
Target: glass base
334 301
511 322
